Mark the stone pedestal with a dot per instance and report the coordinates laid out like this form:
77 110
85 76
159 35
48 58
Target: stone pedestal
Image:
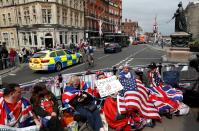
177 54
180 39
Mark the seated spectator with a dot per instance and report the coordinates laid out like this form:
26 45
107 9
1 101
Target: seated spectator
126 73
166 99
15 110
75 96
45 106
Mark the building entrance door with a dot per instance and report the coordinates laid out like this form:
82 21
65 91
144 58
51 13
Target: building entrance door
49 43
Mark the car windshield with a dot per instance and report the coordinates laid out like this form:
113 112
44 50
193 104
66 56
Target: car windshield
39 55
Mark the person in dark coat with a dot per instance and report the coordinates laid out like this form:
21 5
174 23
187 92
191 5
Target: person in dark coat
4 55
1 60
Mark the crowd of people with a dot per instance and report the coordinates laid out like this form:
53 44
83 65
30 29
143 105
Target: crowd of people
141 103
13 57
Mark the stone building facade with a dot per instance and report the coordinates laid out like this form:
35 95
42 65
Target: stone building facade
41 23
192 14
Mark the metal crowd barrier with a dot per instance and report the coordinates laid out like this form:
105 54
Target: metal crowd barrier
53 84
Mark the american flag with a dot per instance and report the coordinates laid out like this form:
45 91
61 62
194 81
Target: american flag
135 97
155 78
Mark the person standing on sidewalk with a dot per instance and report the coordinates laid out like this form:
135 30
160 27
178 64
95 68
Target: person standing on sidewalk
162 43
4 56
1 60
12 56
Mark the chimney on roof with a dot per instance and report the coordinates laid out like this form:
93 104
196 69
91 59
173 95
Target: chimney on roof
130 20
126 20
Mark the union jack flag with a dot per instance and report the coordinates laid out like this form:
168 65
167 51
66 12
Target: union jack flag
135 97
23 120
164 97
161 100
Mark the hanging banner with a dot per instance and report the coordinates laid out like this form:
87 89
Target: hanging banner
108 86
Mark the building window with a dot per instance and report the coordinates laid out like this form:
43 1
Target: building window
46 15
24 38
4 19
26 15
60 38
35 38
58 15
29 38
34 14
6 38
64 14
71 18
9 19
76 19
66 38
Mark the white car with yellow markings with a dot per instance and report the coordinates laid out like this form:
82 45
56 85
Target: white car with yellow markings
54 60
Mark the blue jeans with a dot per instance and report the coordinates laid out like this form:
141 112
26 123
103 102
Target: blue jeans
93 118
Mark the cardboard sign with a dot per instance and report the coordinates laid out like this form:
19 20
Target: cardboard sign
108 86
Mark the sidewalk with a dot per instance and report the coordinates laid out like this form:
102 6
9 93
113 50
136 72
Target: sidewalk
14 69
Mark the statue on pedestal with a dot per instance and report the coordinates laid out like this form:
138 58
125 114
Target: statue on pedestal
180 20
180 38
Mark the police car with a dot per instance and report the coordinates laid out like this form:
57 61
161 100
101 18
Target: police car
54 60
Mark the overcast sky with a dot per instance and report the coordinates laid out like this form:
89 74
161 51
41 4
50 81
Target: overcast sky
144 11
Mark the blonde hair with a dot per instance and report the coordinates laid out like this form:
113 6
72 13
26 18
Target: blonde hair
73 79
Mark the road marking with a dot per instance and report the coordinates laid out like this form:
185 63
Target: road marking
11 74
140 51
146 58
102 57
82 64
129 58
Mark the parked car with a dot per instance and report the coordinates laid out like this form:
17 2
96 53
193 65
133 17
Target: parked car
54 60
135 42
112 48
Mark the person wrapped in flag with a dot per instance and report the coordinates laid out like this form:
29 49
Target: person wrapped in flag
45 107
16 111
165 98
110 110
76 96
134 100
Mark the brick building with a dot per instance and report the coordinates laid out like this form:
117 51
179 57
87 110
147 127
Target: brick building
108 13
130 27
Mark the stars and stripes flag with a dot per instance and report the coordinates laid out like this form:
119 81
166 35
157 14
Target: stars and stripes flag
134 96
155 78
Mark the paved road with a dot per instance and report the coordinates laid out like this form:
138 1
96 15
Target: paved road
141 54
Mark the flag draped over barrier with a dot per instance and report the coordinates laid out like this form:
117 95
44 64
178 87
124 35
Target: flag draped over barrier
135 96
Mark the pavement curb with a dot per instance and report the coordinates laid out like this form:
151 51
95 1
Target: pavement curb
13 70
